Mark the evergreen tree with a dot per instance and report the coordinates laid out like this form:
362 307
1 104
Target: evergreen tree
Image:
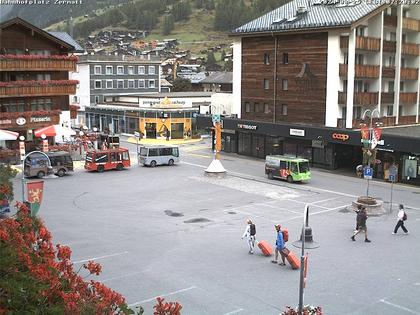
168 24
181 85
228 65
223 55
211 60
230 14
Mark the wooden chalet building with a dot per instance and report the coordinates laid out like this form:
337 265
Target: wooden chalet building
305 73
34 78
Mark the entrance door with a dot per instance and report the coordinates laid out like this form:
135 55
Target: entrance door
177 131
258 148
151 130
116 125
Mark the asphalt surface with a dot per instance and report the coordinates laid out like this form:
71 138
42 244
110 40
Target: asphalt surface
173 232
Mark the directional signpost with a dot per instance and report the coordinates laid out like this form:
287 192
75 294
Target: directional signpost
393 173
137 135
367 174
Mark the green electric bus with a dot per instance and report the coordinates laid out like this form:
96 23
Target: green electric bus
289 168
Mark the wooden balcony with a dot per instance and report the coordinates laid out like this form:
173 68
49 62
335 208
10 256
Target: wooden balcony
407 120
54 63
410 49
390 46
408 97
409 73
411 24
361 71
388 72
390 21
37 88
387 97
387 121
362 43
360 98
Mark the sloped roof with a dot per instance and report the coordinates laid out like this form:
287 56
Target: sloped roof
65 37
219 78
317 15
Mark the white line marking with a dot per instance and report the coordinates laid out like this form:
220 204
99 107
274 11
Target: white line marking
325 200
234 312
328 210
163 295
100 257
192 164
399 307
279 208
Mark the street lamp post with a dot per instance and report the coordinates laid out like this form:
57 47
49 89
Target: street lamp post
22 158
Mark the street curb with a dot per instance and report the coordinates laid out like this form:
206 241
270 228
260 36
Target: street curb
133 140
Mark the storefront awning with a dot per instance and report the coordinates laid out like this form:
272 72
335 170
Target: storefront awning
54 130
8 135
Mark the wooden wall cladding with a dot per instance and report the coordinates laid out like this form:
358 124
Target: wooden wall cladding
304 105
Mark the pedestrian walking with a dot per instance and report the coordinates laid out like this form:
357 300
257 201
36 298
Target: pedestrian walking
361 225
249 234
279 246
357 210
402 216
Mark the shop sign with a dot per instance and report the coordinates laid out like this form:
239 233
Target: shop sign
20 121
297 132
248 127
5 122
40 119
340 136
380 142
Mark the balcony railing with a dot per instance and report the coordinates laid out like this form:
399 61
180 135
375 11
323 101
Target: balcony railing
362 43
388 72
37 63
409 73
387 97
390 46
411 24
386 121
360 98
390 21
37 88
361 71
408 97
410 49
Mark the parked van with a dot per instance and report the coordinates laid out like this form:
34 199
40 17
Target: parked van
61 162
285 167
37 165
158 155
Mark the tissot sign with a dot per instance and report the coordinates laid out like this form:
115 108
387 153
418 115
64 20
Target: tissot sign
246 126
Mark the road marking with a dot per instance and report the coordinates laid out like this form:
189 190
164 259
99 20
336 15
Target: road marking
325 200
403 308
279 208
234 312
199 155
100 257
162 295
192 164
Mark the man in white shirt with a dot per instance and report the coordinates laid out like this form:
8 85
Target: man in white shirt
402 216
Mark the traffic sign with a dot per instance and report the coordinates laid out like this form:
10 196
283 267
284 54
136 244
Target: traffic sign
393 170
136 134
367 172
215 118
392 178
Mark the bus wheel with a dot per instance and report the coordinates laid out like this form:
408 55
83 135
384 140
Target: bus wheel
289 179
120 167
153 163
171 162
61 172
40 174
270 175
100 168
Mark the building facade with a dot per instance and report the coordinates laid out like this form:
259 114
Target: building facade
305 76
101 76
34 78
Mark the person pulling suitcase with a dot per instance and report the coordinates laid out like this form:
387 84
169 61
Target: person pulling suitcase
279 246
249 234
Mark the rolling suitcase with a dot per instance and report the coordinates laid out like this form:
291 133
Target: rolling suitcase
266 249
291 258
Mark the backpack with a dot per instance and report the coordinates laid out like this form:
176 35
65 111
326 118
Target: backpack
285 233
252 230
405 216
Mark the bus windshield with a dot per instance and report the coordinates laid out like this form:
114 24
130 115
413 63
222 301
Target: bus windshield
143 151
303 167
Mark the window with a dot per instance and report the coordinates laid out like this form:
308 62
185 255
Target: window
247 107
284 109
344 112
75 99
258 107
125 156
401 86
391 87
391 61
285 58
131 84
109 70
165 151
361 31
357 112
130 70
120 70
402 63
96 99
151 84
404 38
266 84
283 165
109 84
400 111
358 86
294 167
175 152
266 58
345 86
153 152
141 84
120 84
266 108
151 69
98 84
141 70
393 36
97 70
389 110
40 77
101 158
359 59
346 58
285 84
